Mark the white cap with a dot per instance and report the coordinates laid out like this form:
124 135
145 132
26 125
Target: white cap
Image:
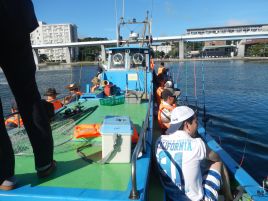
168 84
178 116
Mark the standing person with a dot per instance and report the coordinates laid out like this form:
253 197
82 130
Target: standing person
179 157
17 20
51 94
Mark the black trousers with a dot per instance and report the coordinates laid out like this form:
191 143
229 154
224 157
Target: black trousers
17 63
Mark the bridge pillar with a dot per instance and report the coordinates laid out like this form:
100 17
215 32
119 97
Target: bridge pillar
181 49
36 56
241 48
103 55
68 55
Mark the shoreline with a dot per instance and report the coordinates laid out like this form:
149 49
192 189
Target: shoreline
217 59
78 64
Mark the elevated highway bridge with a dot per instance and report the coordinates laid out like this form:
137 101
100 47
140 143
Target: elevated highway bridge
242 36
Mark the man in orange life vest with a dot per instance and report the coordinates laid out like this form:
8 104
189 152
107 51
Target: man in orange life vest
160 89
14 120
169 96
51 94
75 93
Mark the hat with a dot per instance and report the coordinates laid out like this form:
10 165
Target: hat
95 80
14 105
104 83
51 92
168 84
178 116
169 92
72 86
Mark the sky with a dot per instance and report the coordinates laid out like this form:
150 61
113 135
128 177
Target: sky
98 18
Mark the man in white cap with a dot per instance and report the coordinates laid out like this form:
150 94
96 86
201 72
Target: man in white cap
179 157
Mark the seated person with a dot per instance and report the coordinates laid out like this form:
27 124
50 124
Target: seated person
159 90
179 155
75 93
107 87
95 84
169 97
14 120
51 94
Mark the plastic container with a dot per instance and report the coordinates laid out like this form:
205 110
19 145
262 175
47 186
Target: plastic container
134 97
116 134
113 100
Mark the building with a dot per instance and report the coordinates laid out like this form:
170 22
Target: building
228 29
54 34
162 48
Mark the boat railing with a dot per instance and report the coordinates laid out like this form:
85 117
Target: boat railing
140 147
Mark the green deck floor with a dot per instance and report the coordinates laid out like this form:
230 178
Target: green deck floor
74 172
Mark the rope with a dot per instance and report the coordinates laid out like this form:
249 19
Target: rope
115 7
71 79
195 84
80 74
178 73
186 80
204 97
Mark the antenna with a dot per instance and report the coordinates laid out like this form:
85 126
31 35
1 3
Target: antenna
123 9
116 30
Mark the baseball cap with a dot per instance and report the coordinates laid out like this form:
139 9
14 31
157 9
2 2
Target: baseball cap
168 84
169 92
178 116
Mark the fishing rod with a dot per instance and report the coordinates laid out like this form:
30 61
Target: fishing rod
204 118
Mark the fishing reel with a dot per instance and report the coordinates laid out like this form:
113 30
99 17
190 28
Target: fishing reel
74 110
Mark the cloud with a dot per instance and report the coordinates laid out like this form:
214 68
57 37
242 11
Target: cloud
234 22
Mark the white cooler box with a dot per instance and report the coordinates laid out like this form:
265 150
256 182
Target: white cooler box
116 134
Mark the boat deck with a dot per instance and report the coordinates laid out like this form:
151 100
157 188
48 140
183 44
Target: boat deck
75 178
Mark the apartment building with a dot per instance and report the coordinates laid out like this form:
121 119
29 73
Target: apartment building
54 34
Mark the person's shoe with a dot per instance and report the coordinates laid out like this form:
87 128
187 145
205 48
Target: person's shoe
8 184
48 171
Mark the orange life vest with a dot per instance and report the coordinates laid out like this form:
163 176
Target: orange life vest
160 70
87 130
152 64
163 106
79 93
14 120
57 104
159 95
93 130
107 90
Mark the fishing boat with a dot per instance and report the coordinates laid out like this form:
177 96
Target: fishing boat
102 142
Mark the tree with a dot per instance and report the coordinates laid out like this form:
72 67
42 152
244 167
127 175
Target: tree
89 53
257 50
43 58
